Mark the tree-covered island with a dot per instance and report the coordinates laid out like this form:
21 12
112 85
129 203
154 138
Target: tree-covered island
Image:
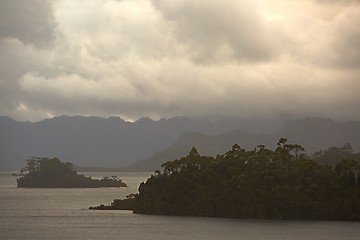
52 173
261 183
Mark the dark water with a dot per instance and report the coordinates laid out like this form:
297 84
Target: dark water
63 214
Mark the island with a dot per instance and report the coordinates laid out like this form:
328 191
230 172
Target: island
259 184
52 173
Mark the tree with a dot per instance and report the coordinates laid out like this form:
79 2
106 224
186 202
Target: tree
259 183
51 172
334 155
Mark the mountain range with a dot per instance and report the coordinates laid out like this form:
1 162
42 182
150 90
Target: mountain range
104 142
145 144
313 134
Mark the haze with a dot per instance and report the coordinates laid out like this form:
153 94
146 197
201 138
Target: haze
134 58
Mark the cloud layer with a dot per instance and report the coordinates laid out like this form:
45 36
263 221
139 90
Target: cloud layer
165 58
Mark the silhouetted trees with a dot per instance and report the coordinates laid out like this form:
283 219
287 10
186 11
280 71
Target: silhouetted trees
334 155
52 173
259 183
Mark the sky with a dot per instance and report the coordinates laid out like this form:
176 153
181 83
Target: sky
161 58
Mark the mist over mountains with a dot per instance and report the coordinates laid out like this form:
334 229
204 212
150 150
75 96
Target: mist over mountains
104 142
113 142
312 133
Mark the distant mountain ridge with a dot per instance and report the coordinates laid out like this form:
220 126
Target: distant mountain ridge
313 134
104 142
115 143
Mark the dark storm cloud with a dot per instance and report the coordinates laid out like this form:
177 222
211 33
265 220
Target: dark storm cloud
135 58
220 29
333 41
30 21
346 43
26 28
338 1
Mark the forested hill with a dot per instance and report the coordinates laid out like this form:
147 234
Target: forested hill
52 173
259 183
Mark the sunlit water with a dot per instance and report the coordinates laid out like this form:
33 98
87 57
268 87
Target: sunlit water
63 214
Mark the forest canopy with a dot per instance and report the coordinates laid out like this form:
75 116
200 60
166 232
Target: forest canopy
52 173
260 183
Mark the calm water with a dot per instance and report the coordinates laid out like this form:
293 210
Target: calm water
63 214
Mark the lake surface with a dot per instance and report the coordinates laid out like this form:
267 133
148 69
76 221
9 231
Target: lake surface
27 213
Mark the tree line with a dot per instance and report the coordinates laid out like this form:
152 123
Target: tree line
260 183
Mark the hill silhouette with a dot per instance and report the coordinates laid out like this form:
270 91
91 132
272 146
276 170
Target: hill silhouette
260 183
313 133
115 143
104 142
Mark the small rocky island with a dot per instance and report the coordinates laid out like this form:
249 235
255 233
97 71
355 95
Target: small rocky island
52 173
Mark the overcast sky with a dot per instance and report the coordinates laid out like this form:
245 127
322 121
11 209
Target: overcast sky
161 58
